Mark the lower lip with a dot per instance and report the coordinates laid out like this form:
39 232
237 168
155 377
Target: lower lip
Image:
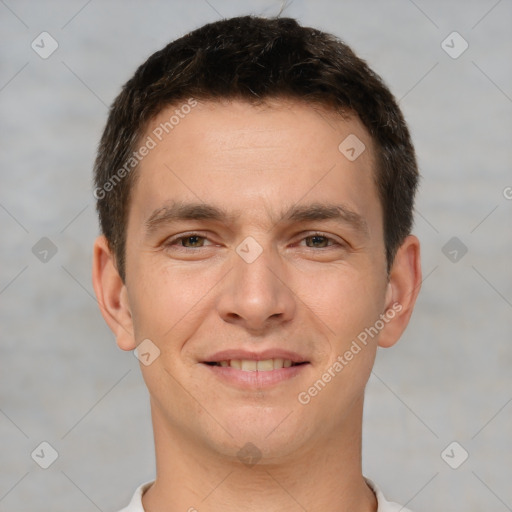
255 380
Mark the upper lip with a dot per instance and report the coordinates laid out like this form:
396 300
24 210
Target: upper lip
237 354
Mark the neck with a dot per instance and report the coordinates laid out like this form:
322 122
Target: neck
325 477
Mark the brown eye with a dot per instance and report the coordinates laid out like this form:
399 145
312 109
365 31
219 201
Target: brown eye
190 241
195 241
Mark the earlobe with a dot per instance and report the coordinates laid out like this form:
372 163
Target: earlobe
402 290
112 294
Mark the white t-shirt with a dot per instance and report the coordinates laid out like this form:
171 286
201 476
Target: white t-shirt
383 505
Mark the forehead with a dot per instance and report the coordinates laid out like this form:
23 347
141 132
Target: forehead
256 157
239 125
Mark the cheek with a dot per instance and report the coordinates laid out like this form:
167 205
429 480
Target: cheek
167 302
345 306
345 300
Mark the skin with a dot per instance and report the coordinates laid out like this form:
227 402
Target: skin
303 294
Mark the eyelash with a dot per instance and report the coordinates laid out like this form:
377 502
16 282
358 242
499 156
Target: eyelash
172 242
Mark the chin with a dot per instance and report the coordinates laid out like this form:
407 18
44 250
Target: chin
271 433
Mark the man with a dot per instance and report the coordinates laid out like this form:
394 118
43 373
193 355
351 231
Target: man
255 185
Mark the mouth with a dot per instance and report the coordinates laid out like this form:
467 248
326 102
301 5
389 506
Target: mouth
255 371
253 365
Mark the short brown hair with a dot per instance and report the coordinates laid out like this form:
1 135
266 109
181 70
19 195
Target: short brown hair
255 59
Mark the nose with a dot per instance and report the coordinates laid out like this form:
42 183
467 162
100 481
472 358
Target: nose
257 295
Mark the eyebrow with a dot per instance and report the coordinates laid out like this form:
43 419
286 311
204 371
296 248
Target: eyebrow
323 211
179 210
175 211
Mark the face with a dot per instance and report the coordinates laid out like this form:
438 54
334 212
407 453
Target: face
254 258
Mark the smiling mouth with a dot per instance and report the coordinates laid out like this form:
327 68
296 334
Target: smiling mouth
253 365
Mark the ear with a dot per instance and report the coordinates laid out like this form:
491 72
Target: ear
402 290
112 294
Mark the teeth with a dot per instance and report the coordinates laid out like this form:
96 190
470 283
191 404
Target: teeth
265 366
278 363
251 365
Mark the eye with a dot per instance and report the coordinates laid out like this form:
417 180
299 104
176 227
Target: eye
320 241
188 241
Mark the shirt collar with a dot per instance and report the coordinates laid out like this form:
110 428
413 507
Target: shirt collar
135 504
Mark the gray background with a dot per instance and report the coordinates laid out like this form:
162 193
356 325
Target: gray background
62 378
